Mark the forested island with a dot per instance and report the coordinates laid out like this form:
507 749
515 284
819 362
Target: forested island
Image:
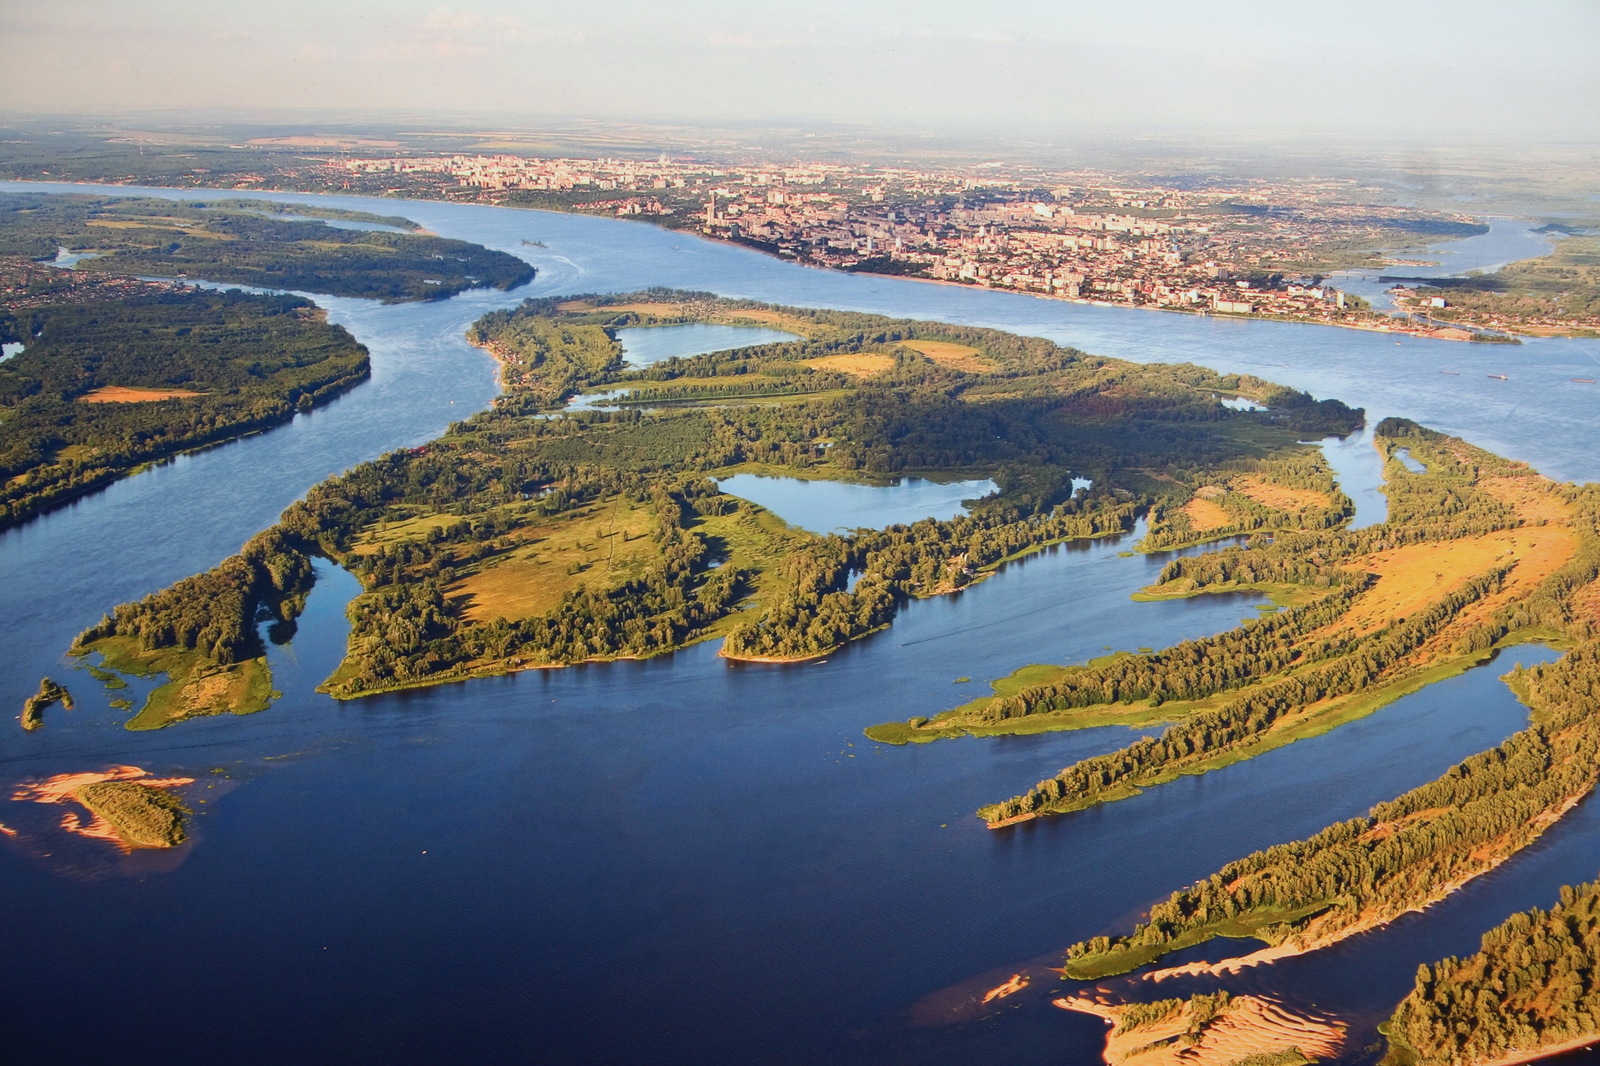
532 535
1211 1028
1473 547
522 540
50 693
142 815
252 243
1477 553
112 373
104 372
1530 991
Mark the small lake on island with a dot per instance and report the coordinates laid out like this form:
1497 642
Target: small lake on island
839 506
1409 461
684 860
644 345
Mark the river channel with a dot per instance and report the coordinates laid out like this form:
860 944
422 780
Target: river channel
683 860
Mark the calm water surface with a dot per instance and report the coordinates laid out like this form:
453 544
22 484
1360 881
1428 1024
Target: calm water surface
1508 240
644 345
683 860
834 506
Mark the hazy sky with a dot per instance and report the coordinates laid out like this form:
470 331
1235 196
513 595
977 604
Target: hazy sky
1431 69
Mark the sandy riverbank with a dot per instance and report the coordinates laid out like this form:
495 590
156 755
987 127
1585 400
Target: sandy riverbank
1247 1025
64 789
1292 948
1518 1058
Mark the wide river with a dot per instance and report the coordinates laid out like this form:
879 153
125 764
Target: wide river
685 861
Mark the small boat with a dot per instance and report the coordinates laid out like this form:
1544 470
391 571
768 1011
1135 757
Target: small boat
1584 381
1452 373
1498 377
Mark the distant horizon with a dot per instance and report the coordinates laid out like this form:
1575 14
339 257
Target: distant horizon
1231 68
464 122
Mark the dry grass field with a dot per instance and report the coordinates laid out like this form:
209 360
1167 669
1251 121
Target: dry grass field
775 319
857 364
1280 497
603 544
1206 515
126 394
663 309
953 355
413 528
1411 577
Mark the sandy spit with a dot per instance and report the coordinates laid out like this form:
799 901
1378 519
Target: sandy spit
1249 1025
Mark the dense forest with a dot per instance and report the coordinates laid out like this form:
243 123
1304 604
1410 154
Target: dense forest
113 373
1533 986
249 244
528 537
1478 551
1466 558
1363 872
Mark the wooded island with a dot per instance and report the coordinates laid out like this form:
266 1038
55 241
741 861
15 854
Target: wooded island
531 535
520 539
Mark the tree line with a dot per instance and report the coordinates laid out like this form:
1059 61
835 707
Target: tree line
1028 422
253 360
219 242
1403 854
1245 721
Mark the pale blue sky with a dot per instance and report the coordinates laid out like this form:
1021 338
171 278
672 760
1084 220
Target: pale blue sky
1429 69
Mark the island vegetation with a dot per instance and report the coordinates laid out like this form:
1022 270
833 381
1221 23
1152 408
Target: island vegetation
142 815
530 535
250 244
49 693
1532 990
115 373
1476 552
521 540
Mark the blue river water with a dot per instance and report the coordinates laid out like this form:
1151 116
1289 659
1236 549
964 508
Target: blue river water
833 506
684 860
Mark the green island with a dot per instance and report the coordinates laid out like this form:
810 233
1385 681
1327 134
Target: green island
1530 991
143 816
1554 295
252 243
49 693
115 373
531 536
1478 553
522 540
